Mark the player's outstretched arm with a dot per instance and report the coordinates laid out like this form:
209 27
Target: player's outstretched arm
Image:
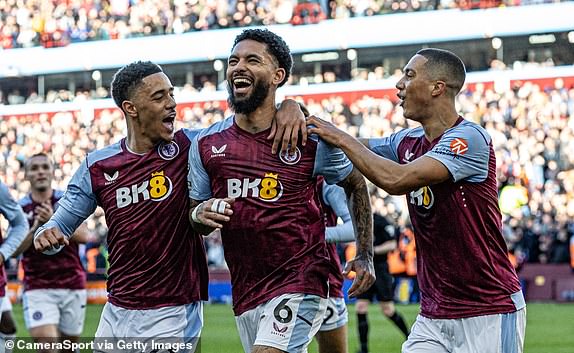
206 216
394 178
288 123
358 202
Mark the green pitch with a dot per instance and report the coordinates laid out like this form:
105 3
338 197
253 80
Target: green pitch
550 328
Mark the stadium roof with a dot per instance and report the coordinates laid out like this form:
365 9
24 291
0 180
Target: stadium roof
387 30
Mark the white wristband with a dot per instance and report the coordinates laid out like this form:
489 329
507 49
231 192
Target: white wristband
194 213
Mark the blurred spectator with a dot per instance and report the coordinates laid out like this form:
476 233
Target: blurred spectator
307 12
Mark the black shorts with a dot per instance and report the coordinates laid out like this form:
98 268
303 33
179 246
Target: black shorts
382 289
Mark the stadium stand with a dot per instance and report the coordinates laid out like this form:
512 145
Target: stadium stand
58 23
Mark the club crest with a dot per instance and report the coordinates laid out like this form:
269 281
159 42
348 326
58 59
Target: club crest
168 151
290 159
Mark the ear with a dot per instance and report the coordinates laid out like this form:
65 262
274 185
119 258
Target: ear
279 76
438 88
130 108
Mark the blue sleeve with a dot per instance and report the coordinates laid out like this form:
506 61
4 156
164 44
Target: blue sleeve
18 225
387 146
331 163
334 196
77 203
197 178
465 152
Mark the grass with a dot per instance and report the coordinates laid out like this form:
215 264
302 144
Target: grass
550 328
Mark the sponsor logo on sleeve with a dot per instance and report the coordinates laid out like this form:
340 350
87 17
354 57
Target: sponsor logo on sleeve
459 146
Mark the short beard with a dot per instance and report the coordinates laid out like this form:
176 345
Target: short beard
251 103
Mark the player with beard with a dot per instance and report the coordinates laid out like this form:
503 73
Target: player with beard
471 300
157 277
54 295
266 205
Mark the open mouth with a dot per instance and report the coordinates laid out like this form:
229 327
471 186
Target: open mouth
401 99
168 121
242 84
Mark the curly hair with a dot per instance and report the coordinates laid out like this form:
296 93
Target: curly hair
275 45
129 77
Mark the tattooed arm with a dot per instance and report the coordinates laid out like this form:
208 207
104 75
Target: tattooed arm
359 204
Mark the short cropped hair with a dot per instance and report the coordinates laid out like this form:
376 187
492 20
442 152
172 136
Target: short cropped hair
444 65
39 154
129 77
275 45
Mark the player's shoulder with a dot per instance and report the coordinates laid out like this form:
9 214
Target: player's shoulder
468 131
103 153
397 138
215 128
413 132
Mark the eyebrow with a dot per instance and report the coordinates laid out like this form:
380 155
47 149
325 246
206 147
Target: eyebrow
161 91
249 56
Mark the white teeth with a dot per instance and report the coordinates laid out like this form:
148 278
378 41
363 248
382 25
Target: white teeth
241 80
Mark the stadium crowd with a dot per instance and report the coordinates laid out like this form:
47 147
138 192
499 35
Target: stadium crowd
58 23
532 129
337 73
